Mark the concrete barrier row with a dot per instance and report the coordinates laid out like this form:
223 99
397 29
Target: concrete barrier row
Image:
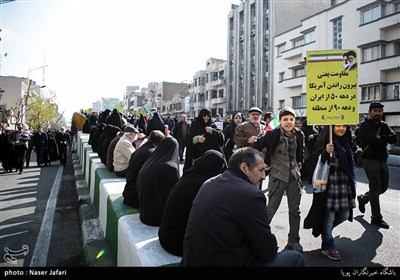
113 234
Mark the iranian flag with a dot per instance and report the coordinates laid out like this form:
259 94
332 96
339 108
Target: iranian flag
325 57
272 124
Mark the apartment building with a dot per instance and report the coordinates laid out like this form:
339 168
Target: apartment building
132 99
252 26
208 89
106 103
14 93
370 27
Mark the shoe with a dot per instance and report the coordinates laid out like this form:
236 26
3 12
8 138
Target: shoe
331 254
361 204
381 224
296 247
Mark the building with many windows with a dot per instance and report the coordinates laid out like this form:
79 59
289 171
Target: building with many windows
106 103
15 92
133 98
252 26
208 89
370 27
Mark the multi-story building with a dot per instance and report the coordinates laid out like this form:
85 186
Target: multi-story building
167 97
132 99
106 103
252 26
208 89
370 27
15 92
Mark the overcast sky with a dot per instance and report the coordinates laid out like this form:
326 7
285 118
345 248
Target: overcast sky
95 48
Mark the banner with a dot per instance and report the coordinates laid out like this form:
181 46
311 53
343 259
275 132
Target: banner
332 87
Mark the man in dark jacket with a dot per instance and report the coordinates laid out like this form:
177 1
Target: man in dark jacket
375 134
228 223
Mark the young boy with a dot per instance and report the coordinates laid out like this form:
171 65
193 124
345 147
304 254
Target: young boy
285 155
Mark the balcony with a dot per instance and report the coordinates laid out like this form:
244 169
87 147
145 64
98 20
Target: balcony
218 100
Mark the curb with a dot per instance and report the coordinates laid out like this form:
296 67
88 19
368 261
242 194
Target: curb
95 250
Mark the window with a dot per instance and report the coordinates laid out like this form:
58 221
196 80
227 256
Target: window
391 92
221 93
370 14
214 76
281 49
214 94
372 53
221 74
337 33
299 101
281 103
281 76
299 72
397 48
371 92
297 42
309 37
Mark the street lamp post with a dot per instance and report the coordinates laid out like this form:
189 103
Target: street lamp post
26 99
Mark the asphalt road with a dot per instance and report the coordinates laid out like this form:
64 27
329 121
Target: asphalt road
36 228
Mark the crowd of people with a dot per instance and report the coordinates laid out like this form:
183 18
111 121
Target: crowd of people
16 146
217 213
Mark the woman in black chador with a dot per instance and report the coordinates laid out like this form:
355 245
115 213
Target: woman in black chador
203 136
179 203
156 178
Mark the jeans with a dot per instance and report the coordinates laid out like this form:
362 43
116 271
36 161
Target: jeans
331 220
287 259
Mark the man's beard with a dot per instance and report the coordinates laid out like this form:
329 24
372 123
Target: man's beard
377 118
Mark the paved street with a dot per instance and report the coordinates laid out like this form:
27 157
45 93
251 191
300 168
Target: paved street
24 199
360 243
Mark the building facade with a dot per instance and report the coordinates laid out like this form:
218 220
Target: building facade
208 89
370 27
106 103
252 26
14 93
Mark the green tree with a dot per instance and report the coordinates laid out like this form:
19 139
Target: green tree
42 111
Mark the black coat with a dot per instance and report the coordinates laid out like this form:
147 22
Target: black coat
180 199
156 178
138 158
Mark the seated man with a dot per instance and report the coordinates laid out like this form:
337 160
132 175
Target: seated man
228 223
123 150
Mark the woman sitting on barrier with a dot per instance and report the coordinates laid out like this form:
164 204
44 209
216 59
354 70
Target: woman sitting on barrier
156 178
179 203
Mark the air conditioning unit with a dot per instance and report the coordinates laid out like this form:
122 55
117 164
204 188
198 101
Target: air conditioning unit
241 38
252 33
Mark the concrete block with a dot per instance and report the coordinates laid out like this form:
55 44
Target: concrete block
138 244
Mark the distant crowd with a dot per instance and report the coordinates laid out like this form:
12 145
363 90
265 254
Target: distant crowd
16 146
